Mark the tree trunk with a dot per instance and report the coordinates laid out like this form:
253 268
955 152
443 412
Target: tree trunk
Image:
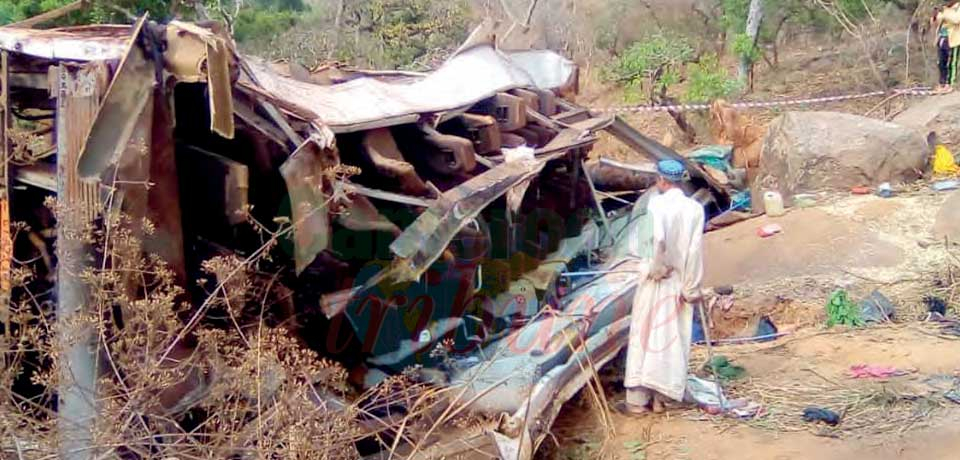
337 30
754 18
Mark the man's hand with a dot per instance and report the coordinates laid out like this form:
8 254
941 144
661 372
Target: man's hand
660 272
692 297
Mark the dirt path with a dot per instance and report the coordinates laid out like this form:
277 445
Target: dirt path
689 434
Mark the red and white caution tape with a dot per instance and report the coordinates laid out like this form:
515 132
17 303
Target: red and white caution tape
765 104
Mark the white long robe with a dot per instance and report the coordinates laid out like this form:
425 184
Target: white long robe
660 327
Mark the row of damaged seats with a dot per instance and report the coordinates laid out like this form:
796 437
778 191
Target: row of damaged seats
425 158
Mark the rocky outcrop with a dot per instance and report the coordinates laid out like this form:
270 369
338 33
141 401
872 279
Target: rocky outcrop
940 114
813 151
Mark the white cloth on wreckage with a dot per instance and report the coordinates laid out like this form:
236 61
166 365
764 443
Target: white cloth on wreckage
660 326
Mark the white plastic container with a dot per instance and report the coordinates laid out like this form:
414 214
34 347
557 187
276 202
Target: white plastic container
773 204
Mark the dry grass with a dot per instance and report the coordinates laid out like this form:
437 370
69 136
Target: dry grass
218 379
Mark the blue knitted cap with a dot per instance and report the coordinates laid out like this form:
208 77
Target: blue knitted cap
671 170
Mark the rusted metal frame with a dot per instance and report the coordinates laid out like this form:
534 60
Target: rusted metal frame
30 80
163 200
50 15
388 196
544 120
423 242
560 384
657 151
248 114
268 106
597 203
78 98
41 175
6 236
125 100
565 117
568 139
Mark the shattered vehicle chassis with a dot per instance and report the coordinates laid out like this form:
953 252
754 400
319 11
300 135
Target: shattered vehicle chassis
441 210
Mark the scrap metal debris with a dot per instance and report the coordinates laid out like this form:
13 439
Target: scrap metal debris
420 209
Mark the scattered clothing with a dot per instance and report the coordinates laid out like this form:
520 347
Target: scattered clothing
867 371
725 369
766 330
945 185
884 190
943 162
817 414
953 396
769 230
935 305
709 397
876 308
723 290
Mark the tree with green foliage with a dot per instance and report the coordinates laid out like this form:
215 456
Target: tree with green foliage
652 68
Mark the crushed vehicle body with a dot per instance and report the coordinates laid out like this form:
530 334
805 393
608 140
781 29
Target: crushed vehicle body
453 210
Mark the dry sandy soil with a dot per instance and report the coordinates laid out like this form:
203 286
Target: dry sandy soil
856 243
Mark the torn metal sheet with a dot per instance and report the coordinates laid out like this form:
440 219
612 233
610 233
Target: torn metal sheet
547 69
195 54
306 177
423 242
359 214
117 117
90 43
515 195
186 54
220 89
366 103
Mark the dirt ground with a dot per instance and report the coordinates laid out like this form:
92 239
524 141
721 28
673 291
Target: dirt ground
858 243
918 423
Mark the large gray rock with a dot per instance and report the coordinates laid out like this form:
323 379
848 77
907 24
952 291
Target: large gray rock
940 114
813 151
947 224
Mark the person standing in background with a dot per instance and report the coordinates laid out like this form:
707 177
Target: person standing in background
946 20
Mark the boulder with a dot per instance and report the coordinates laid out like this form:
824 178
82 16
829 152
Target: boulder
813 151
940 114
947 224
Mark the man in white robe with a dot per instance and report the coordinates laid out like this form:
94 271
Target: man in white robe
662 316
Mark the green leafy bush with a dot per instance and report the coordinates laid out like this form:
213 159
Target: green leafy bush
708 80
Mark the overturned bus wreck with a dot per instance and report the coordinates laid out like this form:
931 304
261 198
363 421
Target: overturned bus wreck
410 212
